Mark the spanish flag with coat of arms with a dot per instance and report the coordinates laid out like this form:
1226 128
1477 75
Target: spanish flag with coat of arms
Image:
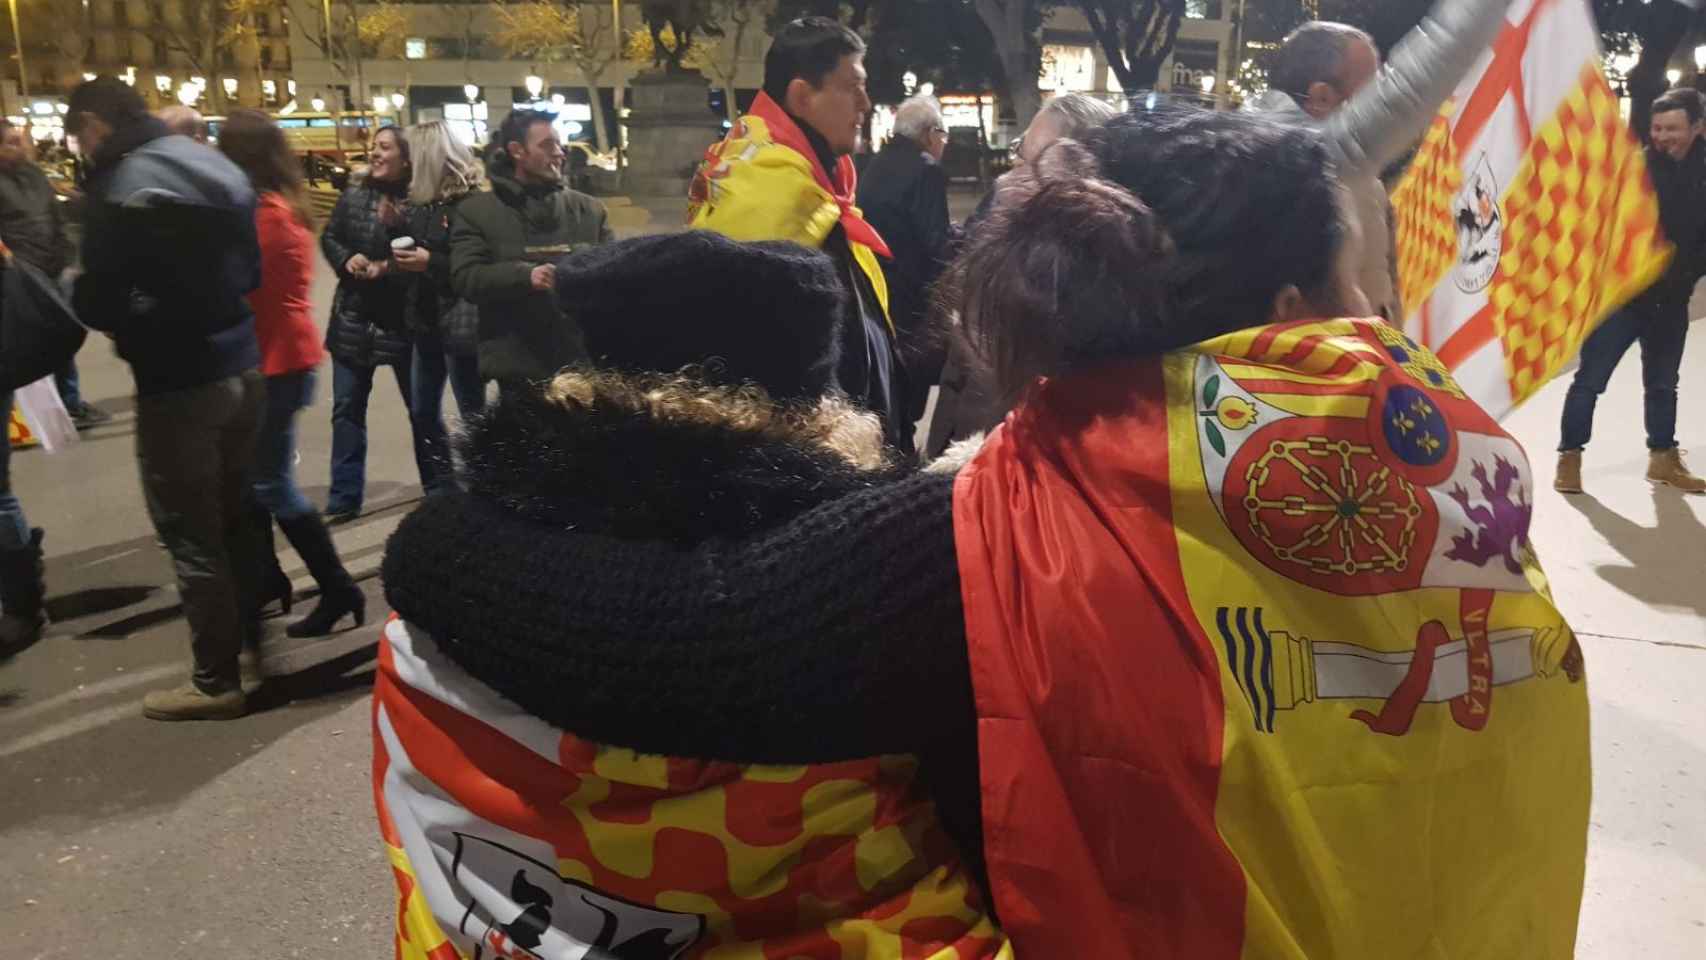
1284 682
1527 216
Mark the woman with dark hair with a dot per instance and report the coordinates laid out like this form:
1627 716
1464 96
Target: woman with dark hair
290 351
1195 657
369 328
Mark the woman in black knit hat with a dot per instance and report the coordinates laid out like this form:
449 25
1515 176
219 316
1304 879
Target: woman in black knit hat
619 552
690 665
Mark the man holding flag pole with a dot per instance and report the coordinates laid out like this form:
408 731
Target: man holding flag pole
1528 215
1658 318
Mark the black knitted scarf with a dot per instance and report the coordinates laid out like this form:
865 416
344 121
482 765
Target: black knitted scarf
696 593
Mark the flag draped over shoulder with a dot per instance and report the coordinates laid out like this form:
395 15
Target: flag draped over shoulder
1527 216
1282 679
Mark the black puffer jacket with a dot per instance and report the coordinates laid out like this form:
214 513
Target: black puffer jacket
433 307
368 326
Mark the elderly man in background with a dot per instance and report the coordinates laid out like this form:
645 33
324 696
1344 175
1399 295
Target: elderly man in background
967 404
1330 74
184 121
904 194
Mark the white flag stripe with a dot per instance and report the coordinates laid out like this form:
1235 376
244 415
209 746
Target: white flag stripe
422 667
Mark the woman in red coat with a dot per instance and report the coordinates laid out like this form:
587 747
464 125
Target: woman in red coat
290 350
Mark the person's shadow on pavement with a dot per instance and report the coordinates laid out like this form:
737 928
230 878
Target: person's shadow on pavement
1665 560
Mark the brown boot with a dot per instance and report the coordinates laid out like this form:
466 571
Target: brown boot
1666 467
1569 478
249 669
189 703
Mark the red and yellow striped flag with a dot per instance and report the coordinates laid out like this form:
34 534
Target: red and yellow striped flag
1543 194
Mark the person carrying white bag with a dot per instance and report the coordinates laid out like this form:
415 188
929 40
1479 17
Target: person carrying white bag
39 333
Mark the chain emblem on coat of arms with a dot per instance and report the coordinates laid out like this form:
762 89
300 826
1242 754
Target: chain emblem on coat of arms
1365 516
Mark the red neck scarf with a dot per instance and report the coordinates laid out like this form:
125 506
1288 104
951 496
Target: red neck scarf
785 132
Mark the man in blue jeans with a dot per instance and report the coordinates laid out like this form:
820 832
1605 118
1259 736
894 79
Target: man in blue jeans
21 587
1658 318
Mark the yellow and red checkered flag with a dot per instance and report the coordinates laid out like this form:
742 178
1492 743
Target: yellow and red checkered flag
1423 215
1542 192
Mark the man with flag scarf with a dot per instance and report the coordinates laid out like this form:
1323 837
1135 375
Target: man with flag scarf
785 172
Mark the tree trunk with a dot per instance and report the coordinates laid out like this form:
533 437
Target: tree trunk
1019 51
247 60
600 137
1666 24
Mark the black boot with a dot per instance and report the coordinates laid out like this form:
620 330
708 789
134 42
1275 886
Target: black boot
338 593
21 594
274 585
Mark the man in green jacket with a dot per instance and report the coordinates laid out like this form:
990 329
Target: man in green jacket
503 245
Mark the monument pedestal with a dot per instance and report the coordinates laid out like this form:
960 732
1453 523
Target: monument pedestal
669 129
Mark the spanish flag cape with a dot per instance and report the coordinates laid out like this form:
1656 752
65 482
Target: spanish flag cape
765 182
1265 666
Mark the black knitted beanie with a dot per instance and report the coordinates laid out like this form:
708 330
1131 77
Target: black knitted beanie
767 313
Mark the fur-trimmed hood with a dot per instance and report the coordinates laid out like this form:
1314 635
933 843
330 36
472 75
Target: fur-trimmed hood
664 458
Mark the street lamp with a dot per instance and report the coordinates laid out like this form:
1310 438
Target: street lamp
1674 76
188 94
230 85
380 104
397 99
471 91
162 83
535 85
1207 82
319 104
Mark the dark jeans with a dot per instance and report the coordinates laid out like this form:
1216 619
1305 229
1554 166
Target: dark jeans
70 391
1662 332
432 367
351 387
275 451
14 527
194 447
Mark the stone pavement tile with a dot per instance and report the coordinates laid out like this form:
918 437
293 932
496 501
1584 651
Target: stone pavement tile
1627 563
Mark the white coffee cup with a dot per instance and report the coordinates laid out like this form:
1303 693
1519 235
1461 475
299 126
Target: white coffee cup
402 243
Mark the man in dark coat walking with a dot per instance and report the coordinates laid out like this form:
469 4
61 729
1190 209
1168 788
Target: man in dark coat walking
904 194
169 255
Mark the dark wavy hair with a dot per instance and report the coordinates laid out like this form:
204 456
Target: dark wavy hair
254 142
1163 228
809 48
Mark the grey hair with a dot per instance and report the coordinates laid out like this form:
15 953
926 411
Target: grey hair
1313 53
183 120
444 167
1076 113
917 116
